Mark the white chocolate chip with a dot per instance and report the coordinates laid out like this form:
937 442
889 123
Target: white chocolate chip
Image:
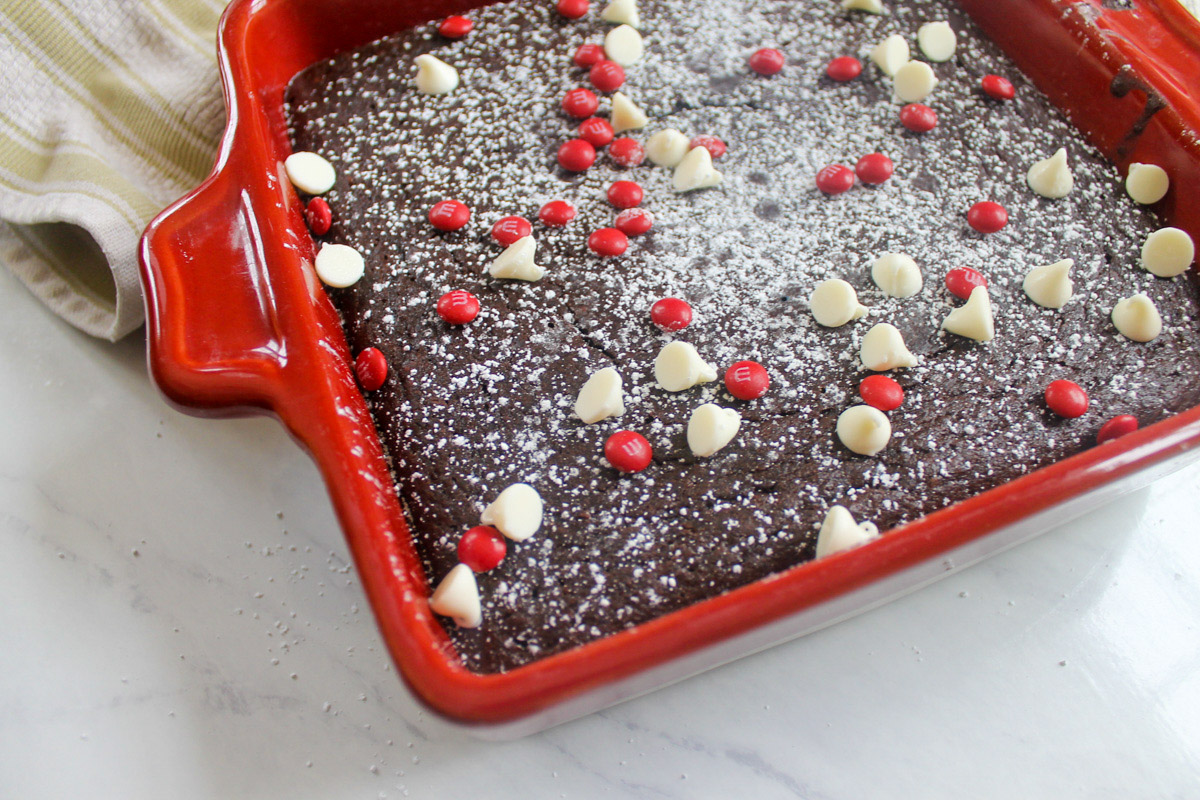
678 366
1137 318
897 275
834 303
435 76
883 348
517 262
623 44
696 171
1052 177
457 597
310 173
1146 183
1168 252
625 115
973 320
1050 286
711 427
622 12
914 81
600 398
840 532
864 429
339 265
667 147
870 6
891 54
516 512
937 41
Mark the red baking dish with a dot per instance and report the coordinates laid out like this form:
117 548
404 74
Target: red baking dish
238 323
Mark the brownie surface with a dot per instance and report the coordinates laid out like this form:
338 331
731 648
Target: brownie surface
469 410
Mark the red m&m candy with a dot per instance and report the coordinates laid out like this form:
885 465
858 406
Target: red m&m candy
455 27
607 76
873 168
580 103
1066 398
844 68
918 118
628 451
587 55
634 221
961 281
987 217
371 369
608 242
449 215
556 213
998 88
1116 427
626 152
881 392
596 131
509 229
482 548
671 314
747 380
458 307
767 61
714 146
318 215
572 9
576 155
625 194
835 179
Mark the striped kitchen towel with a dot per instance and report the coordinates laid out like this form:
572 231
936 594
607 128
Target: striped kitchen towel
109 111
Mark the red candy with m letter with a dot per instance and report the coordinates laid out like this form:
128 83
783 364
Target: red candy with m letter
449 215
628 451
588 55
458 307
580 103
747 380
371 369
482 548
509 229
607 76
596 131
961 281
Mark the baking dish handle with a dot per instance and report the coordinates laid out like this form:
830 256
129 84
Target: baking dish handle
216 342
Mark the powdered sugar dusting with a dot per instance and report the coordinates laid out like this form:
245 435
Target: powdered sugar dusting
470 410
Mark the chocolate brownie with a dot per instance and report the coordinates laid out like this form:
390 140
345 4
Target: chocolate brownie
468 410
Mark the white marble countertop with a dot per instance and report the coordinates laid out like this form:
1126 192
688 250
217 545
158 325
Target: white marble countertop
178 619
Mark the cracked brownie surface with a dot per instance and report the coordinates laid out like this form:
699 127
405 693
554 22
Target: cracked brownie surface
468 410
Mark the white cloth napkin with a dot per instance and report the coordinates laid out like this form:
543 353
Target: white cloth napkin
109 110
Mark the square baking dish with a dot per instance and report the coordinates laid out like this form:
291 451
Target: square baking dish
238 323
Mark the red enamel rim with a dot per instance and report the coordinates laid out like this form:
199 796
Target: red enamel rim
238 323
